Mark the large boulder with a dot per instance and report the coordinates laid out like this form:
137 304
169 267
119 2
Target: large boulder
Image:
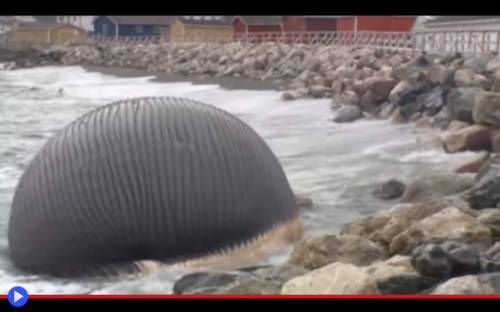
445 260
464 285
461 103
472 138
393 276
487 109
473 164
485 194
347 113
390 189
380 88
491 219
320 250
495 140
336 278
492 165
430 103
450 224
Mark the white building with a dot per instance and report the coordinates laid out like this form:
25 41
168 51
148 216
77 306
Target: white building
86 21
459 34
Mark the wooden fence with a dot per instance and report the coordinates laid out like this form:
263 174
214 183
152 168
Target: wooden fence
431 41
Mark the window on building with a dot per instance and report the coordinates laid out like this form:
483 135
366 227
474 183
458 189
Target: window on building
105 29
139 29
157 30
75 18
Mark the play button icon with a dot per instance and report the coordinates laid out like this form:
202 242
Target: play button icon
18 296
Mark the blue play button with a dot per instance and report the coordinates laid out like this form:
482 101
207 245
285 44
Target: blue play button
18 296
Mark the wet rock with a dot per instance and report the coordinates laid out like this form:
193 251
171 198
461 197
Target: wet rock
359 87
336 278
477 63
317 91
383 226
461 103
487 109
287 96
390 189
380 88
490 283
251 287
386 109
493 65
411 93
491 219
397 117
348 97
465 78
495 140
485 193
435 186
303 201
399 89
491 166
494 252
424 122
436 73
280 274
416 117
347 113
431 103
472 138
447 259
320 250
397 276
450 224
203 281
431 261
460 285
473 164
457 125
368 227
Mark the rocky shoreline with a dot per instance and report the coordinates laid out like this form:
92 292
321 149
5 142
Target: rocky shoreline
442 237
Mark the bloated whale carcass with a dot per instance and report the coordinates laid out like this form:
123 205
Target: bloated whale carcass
148 180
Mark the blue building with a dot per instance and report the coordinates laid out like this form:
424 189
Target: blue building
133 26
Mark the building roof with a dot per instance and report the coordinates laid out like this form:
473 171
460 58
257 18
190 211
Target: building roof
458 19
322 17
45 18
43 25
143 20
205 20
261 20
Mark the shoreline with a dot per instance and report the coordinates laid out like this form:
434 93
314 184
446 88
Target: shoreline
227 83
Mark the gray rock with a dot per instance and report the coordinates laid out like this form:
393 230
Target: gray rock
490 283
316 251
447 224
487 109
390 189
493 164
432 261
203 281
347 113
464 257
404 284
431 103
461 103
485 193
459 285
491 219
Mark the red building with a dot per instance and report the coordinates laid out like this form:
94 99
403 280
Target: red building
309 23
256 24
376 23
